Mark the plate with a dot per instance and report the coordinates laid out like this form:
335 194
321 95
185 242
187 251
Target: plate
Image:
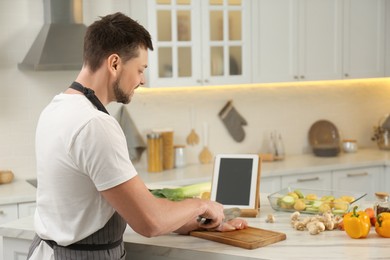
324 138
315 201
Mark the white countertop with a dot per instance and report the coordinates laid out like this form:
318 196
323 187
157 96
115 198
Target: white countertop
18 191
298 245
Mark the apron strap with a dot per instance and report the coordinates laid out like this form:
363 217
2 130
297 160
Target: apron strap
90 94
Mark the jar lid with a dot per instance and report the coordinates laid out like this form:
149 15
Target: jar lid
153 135
381 195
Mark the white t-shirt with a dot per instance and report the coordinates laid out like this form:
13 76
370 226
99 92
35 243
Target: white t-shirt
80 151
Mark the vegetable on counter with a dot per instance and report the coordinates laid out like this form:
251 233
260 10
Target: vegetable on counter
184 192
316 224
357 224
371 214
382 225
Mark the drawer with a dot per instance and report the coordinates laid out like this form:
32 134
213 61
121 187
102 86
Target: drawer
8 213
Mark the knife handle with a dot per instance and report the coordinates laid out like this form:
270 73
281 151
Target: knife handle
203 220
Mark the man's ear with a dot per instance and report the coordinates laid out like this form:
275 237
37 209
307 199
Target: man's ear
113 62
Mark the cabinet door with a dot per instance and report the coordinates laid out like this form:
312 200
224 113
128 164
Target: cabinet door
8 213
387 47
275 40
318 180
364 33
199 42
297 40
320 39
26 209
15 248
175 30
270 184
226 42
363 180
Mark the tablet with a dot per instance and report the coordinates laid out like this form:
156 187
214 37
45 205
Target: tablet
235 180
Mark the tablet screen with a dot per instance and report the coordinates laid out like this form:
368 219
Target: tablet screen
234 180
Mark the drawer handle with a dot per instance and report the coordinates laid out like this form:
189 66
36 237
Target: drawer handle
1 212
357 174
308 179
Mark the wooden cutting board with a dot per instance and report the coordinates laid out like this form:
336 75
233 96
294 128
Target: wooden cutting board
249 238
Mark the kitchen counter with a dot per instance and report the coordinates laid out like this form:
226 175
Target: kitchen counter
18 191
298 245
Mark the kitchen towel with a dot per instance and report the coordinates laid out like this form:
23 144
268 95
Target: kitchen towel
135 144
233 121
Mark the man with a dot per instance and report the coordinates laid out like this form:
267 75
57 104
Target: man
88 189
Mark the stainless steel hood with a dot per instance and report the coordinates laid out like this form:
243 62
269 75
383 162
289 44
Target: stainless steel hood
59 44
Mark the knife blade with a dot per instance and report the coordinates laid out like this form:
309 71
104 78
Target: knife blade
229 213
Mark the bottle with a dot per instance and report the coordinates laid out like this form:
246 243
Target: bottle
279 147
382 204
154 152
180 160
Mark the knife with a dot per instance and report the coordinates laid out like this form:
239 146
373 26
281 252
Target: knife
230 214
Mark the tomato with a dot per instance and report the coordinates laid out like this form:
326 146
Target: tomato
371 213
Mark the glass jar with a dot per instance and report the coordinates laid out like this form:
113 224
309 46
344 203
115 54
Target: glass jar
382 204
154 150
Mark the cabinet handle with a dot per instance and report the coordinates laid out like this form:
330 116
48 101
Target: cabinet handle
308 179
357 174
296 77
206 81
1 212
302 77
346 75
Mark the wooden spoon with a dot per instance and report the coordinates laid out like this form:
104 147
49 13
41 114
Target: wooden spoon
192 138
205 155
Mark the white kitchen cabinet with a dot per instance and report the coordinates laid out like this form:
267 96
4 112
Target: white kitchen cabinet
317 180
297 40
26 209
319 40
197 42
270 184
387 41
365 180
364 38
15 248
8 212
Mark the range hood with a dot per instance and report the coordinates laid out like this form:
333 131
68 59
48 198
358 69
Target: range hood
59 44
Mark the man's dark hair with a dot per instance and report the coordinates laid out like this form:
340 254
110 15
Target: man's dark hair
114 33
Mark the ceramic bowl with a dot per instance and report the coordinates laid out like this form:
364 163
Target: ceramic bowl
350 146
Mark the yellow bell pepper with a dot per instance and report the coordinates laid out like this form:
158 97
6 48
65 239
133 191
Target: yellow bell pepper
357 224
382 225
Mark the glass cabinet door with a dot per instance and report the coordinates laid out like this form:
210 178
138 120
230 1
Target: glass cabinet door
175 42
198 42
227 44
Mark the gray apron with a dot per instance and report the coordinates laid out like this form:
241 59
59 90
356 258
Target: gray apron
104 244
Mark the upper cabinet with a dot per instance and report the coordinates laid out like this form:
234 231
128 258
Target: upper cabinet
387 41
364 38
297 40
198 42
218 42
318 40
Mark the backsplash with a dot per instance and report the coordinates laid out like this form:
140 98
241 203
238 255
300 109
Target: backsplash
354 106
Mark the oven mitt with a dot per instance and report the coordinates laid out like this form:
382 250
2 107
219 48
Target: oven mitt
233 121
135 143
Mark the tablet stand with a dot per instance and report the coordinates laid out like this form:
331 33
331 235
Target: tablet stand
252 213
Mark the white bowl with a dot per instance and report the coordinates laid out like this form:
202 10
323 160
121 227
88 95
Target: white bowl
350 146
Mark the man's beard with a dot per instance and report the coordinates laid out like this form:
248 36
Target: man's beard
120 95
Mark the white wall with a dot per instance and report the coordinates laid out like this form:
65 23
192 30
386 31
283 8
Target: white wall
353 106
